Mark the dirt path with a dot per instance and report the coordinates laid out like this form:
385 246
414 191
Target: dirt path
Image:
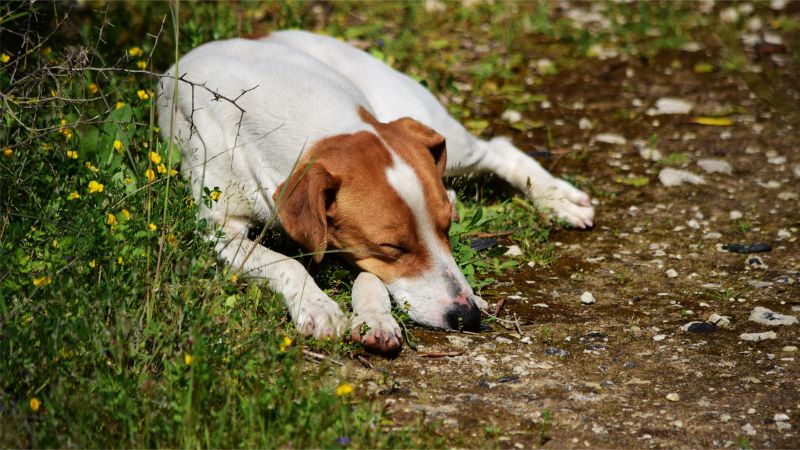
621 372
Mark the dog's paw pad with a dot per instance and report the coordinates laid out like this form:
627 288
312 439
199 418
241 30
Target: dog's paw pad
566 202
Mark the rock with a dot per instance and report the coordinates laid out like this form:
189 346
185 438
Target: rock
783 426
587 298
786 196
646 152
585 124
673 397
756 337
511 116
659 337
780 417
724 417
715 166
670 177
513 250
790 348
610 138
747 428
735 215
526 340
667 105
752 248
699 327
755 262
720 321
768 317
758 284
784 234
777 5
672 273
553 351
712 235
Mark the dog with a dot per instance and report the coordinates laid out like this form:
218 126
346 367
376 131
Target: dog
348 154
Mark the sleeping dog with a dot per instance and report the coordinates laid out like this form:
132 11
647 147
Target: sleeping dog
346 153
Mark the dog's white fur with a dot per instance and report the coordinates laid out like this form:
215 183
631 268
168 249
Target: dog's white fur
306 88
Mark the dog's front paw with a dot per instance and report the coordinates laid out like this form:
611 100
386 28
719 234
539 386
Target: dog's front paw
379 333
566 202
319 316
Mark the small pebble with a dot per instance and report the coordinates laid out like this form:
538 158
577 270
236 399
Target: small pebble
672 273
553 351
756 337
670 177
673 397
768 317
735 214
720 321
749 429
724 417
780 417
790 348
513 250
659 337
587 298
715 166
669 105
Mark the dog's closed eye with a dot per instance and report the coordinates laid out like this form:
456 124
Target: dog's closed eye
394 250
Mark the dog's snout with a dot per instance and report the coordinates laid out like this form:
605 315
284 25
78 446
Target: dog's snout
464 316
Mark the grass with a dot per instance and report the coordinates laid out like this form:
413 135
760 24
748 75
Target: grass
118 327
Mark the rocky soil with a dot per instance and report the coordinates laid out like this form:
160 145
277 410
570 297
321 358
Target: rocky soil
667 353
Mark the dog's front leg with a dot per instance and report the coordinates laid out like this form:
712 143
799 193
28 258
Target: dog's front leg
372 323
312 311
524 173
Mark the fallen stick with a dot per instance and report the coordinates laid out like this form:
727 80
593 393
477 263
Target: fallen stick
441 354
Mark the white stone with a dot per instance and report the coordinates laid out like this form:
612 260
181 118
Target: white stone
659 337
712 235
768 317
720 321
749 429
724 417
673 397
585 124
780 417
667 105
777 5
672 273
674 177
715 166
587 298
511 116
513 250
784 234
735 214
790 348
610 138
756 337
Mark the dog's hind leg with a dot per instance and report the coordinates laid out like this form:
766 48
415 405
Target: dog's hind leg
372 323
524 173
312 311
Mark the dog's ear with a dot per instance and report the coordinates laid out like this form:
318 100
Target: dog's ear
434 141
303 202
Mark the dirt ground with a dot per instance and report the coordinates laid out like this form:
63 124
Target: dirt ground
621 372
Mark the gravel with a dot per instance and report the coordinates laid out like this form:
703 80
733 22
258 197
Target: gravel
756 337
768 317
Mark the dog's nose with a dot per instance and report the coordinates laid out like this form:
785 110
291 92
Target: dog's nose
464 316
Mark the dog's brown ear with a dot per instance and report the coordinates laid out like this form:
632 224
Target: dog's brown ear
434 141
302 203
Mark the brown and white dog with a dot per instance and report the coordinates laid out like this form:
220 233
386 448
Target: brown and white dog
348 154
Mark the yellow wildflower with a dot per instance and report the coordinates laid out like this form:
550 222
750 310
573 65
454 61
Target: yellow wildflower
161 168
92 89
92 264
118 145
92 167
126 213
5 58
72 154
35 404
344 389
285 343
43 280
188 202
150 174
128 180
111 220
171 240
53 93
173 172
235 278
67 134
119 105
215 195
120 261
152 227
8 152
74 195
187 358
142 94
46 146
135 52
142 64
155 157
95 187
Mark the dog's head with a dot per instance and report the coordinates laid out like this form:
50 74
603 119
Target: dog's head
379 198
